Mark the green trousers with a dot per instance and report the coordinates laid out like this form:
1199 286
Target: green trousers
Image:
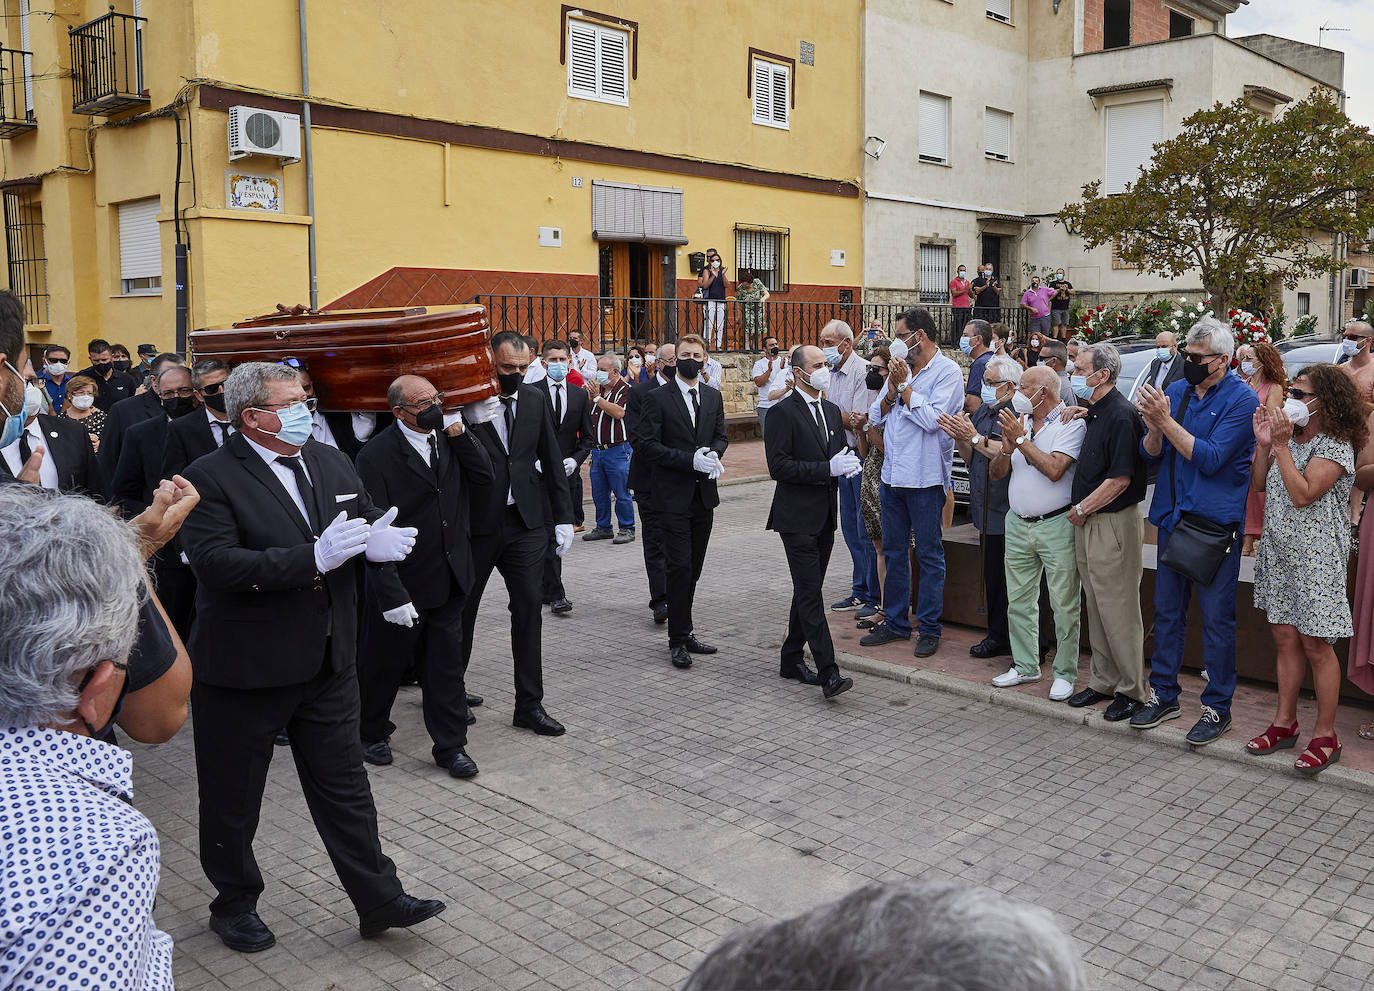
1033 548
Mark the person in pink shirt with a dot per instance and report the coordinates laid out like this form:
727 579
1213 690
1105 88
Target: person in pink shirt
960 300
1037 300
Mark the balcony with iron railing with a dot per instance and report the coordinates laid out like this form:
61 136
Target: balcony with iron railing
16 93
107 65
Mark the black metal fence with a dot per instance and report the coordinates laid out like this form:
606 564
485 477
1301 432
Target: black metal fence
107 64
614 324
16 93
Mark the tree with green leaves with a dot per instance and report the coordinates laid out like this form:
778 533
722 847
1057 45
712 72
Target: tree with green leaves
1241 198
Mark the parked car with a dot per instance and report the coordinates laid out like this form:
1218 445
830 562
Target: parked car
1296 359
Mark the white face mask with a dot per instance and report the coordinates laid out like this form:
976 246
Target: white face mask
33 399
1022 404
83 402
820 379
1349 347
1297 411
57 368
898 349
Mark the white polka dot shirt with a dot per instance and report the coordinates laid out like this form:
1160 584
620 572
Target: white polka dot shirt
78 868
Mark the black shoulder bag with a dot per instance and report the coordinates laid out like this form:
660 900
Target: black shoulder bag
1198 545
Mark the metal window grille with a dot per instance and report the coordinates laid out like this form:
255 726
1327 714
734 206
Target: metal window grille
28 263
934 273
764 251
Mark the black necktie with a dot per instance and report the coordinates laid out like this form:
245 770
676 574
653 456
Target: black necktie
820 425
509 403
223 430
696 406
558 404
434 453
306 490
25 452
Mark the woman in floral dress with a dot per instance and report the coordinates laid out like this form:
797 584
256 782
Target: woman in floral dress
751 294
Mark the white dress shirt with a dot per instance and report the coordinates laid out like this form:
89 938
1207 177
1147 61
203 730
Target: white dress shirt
917 454
1164 368
691 413
558 400
1031 493
777 377
418 440
79 868
849 389
285 475
319 429
47 471
219 429
535 372
715 375
585 362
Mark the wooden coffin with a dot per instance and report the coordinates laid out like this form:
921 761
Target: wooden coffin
354 355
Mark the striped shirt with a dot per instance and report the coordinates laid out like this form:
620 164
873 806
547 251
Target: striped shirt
609 430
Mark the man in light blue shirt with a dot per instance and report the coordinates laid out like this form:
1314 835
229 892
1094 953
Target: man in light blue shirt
917 460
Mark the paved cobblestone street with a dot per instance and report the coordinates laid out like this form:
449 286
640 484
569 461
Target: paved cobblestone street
681 805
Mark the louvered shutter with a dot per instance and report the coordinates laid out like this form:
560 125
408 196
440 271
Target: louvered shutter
581 59
780 95
997 134
1000 9
934 127
662 212
763 92
614 64
625 212
140 247
934 273
1133 129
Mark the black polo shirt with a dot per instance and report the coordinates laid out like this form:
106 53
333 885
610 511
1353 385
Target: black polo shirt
119 385
1111 449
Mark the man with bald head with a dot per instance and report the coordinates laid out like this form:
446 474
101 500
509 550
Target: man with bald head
1167 366
424 464
1356 343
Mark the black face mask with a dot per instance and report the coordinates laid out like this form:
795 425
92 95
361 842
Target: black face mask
1196 372
122 365
689 368
430 418
216 402
509 383
178 406
668 372
874 380
773 351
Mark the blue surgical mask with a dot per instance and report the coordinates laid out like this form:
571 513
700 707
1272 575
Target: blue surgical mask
296 422
832 356
1081 388
965 345
558 370
988 393
14 422
1163 354
602 377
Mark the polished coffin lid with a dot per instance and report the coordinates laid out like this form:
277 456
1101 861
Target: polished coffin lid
354 355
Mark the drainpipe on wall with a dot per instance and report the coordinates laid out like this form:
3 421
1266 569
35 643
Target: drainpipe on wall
309 160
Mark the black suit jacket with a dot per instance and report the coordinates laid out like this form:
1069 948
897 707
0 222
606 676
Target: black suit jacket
534 490
434 502
668 441
265 616
122 416
341 426
1174 374
575 435
72 455
804 499
634 407
188 438
140 462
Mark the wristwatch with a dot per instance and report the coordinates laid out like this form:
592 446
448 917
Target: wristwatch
977 439
1020 440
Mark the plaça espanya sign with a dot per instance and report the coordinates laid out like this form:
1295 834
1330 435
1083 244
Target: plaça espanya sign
247 191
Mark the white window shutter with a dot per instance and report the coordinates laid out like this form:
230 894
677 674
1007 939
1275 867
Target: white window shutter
780 95
1133 129
140 246
582 74
1000 9
28 59
997 133
614 64
934 273
763 92
934 127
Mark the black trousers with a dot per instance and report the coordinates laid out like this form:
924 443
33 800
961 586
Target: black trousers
685 537
995 585
234 729
435 646
518 553
176 590
553 564
575 492
962 315
808 555
655 560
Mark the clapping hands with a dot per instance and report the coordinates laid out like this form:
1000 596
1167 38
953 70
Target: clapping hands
958 426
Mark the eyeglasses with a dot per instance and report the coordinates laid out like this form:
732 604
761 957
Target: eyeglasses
1301 393
309 404
291 363
419 405
995 383
185 392
881 370
1200 359
212 390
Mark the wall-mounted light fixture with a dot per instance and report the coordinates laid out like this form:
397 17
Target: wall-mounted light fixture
873 147
1056 6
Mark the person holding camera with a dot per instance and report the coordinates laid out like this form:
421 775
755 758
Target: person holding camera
712 284
769 373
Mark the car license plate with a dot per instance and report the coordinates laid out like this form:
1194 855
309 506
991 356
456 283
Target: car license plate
961 486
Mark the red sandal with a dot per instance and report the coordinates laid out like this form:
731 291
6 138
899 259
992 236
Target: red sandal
1321 752
1274 738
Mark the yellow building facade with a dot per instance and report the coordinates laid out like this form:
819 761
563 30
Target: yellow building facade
458 149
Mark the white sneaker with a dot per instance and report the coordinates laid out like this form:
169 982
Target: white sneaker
1060 690
1013 678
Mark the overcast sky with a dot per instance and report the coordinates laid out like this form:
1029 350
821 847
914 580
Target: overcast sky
1300 19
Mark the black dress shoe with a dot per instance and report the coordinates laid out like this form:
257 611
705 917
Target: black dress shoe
926 645
880 635
836 685
378 753
399 913
471 718
460 765
281 739
990 647
245 933
539 721
661 615
1123 707
474 701
1087 697
561 606
680 658
695 646
798 671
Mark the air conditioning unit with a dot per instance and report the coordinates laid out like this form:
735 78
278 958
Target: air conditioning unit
1359 278
264 132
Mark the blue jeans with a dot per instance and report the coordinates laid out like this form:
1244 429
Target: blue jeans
611 474
865 576
917 512
1218 601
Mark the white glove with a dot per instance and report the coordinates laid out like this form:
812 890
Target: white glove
341 540
562 538
538 467
405 615
701 461
389 543
719 468
451 418
846 464
569 466
483 411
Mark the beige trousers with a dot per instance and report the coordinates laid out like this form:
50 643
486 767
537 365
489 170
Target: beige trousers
1107 547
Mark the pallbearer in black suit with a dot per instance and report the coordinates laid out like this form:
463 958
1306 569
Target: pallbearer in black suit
273 542
572 425
510 519
641 479
127 413
682 436
197 434
804 441
425 469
